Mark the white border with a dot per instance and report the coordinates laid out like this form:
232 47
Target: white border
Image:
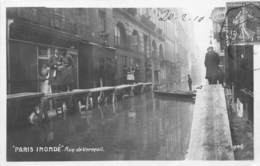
111 3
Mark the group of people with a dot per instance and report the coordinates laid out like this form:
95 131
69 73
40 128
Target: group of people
130 74
57 74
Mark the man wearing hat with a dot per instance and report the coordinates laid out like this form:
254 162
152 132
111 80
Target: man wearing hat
211 62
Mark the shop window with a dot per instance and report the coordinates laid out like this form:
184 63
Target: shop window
44 52
135 41
120 35
117 36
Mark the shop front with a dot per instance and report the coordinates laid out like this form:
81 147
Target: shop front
242 40
239 75
97 65
29 48
128 61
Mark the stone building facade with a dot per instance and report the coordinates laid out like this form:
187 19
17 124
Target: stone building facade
107 43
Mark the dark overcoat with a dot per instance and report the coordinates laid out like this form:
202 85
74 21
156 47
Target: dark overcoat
211 62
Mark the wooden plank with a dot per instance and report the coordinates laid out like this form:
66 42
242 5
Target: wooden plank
99 89
24 95
184 94
122 87
73 92
210 133
59 94
138 84
80 91
148 83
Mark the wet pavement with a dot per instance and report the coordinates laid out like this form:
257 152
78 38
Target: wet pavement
143 127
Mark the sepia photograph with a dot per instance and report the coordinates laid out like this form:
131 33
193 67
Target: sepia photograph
140 83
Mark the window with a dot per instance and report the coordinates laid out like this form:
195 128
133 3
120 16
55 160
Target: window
102 19
44 52
145 44
120 35
57 18
161 51
117 35
147 12
124 60
154 48
135 40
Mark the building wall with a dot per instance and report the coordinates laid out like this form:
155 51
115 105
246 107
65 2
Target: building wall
86 24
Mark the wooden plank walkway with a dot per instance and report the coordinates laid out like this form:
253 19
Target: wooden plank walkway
24 95
210 133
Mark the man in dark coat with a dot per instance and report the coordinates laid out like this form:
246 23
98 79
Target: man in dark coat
190 82
211 62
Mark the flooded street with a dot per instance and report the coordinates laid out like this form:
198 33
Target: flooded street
143 127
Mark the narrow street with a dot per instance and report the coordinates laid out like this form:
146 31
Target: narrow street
140 128
115 83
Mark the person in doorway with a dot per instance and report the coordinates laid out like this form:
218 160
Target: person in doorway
190 82
133 75
67 76
130 76
211 63
44 76
55 64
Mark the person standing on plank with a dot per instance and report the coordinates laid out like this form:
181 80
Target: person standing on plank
211 63
190 82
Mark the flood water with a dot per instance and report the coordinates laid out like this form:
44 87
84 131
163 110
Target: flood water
143 127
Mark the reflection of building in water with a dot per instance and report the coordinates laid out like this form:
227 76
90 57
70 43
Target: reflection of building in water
176 123
159 131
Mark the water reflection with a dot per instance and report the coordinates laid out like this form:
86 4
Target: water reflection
139 128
